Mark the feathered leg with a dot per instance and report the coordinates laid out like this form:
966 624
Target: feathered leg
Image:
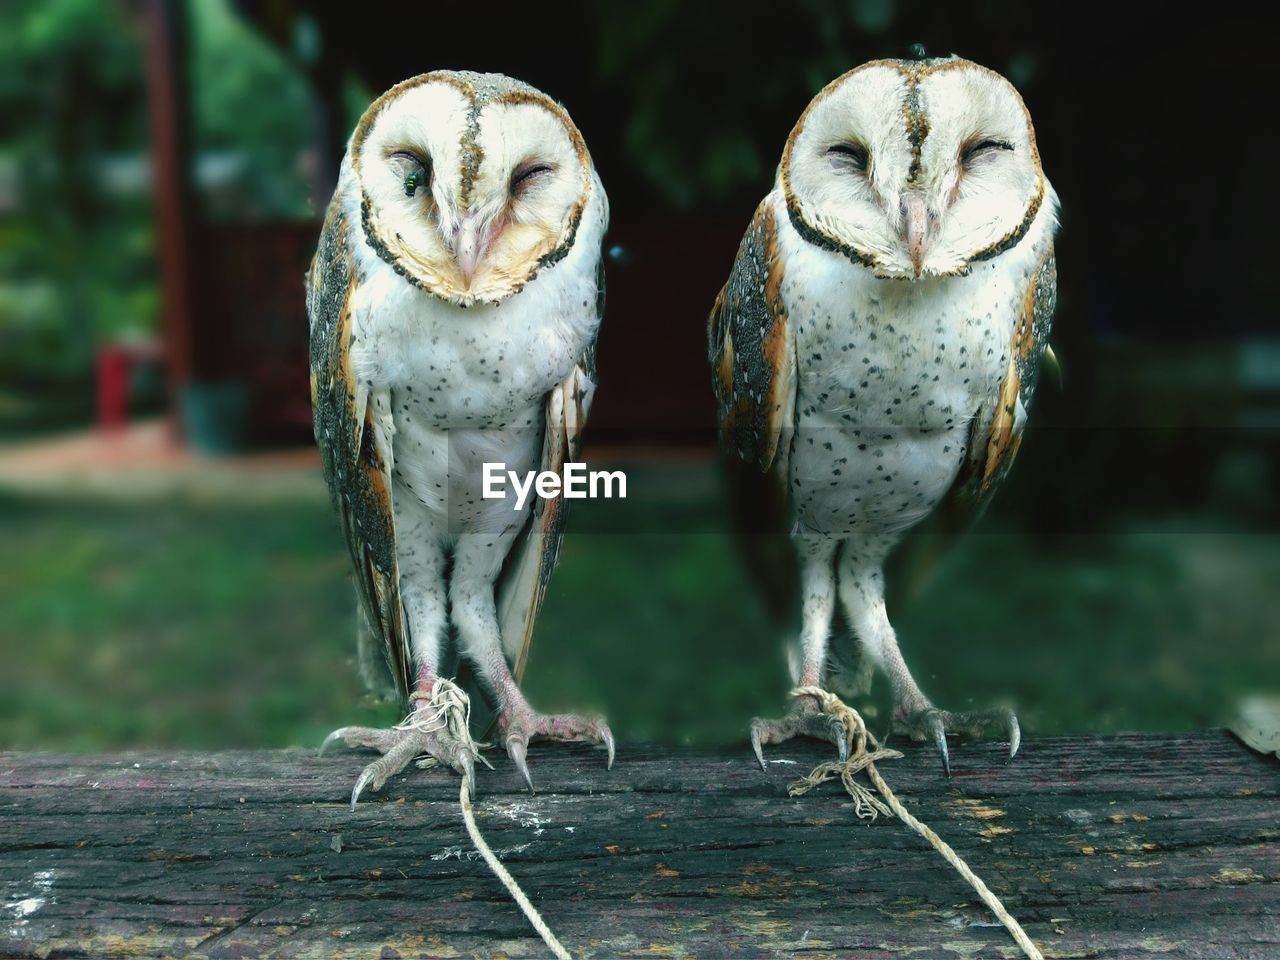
436 725
862 593
818 589
476 567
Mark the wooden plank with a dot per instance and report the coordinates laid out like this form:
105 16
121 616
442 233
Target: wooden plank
1132 846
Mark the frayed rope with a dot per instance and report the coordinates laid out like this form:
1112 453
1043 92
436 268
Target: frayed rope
449 709
864 751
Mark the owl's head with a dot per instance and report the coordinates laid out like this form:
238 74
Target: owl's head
470 183
914 168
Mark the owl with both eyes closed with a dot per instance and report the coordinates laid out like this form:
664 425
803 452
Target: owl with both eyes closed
877 345
454 303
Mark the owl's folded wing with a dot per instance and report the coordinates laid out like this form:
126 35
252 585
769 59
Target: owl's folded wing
996 430
353 431
752 352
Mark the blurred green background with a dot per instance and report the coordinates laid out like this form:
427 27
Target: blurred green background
207 625
1125 580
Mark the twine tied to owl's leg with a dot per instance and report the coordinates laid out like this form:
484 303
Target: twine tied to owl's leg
448 708
864 751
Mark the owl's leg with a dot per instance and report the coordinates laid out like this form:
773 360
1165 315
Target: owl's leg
424 732
477 562
862 593
818 589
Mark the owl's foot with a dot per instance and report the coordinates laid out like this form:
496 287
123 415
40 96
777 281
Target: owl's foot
518 725
436 731
805 718
930 723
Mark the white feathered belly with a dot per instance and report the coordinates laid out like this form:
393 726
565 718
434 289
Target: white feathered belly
466 387
443 472
891 373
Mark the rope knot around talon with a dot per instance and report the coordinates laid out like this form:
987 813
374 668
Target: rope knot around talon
865 751
447 707
865 802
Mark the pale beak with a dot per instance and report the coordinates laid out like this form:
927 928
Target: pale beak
917 228
468 245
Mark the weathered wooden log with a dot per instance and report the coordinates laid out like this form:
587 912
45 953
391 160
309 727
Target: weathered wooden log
1131 846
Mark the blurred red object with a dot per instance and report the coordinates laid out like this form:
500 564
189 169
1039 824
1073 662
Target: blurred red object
115 365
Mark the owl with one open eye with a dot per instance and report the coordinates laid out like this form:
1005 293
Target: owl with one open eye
454 304
877 345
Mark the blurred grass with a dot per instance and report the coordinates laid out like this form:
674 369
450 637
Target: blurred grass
206 625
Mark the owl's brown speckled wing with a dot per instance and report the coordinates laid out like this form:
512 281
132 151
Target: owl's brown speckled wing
996 432
355 448
752 353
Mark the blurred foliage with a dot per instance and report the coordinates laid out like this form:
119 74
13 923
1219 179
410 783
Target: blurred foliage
77 244
666 52
708 93
251 111
75 255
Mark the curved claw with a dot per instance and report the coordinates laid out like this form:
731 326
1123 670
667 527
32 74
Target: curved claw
335 735
365 776
518 750
606 735
839 734
936 730
469 771
1015 736
755 743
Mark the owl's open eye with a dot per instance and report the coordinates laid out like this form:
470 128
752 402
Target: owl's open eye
969 155
851 155
527 174
412 170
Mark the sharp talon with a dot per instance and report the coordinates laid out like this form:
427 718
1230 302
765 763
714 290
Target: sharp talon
932 724
838 731
935 728
519 752
607 735
365 776
469 771
755 745
336 735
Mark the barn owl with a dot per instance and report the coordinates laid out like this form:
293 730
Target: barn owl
454 302
878 341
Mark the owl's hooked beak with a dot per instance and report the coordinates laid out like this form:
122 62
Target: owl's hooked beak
468 243
918 226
